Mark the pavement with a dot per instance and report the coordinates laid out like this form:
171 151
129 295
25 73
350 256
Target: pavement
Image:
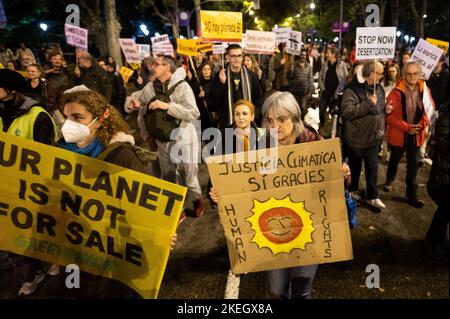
392 239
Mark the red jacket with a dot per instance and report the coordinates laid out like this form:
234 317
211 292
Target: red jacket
397 127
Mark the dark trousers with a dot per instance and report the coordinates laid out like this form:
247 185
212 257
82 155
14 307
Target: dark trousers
355 158
325 101
411 163
438 228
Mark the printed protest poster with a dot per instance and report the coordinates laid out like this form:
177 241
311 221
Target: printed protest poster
76 36
162 45
282 35
221 26
283 210
294 45
438 43
66 208
187 47
144 50
204 47
428 56
130 50
260 42
219 48
375 43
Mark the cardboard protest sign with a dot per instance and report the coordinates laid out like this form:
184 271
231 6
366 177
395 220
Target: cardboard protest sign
375 43
428 56
130 50
76 36
144 50
283 210
221 26
187 47
294 45
126 73
282 35
260 42
438 43
67 208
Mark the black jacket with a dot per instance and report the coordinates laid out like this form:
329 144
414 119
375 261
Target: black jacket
218 99
439 175
96 79
364 123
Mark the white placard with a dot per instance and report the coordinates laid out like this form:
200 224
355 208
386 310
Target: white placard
161 39
130 50
260 42
282 35
144 50
76 36
428 56
162 45
219 48
375 43
294 45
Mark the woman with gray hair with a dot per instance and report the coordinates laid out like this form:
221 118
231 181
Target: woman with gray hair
282 118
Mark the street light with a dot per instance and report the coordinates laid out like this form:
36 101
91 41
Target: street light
251 12
425 16
412 39
312 6
406 38
399 34
43 26
144 29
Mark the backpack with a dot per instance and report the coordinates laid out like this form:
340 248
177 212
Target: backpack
157 122
145 156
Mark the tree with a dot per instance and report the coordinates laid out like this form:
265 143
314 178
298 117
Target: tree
113 28
169 14
418 11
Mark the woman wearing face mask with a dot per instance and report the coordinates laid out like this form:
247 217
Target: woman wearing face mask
94 128
40 89
282 113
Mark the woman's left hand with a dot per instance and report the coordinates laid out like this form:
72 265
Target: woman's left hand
345 170
173 241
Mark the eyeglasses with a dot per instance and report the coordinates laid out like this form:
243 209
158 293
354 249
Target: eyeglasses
238 56
380 74
282 120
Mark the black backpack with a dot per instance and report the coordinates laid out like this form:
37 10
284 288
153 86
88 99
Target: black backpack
157 122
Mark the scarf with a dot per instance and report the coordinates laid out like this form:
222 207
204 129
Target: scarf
91 150
245 88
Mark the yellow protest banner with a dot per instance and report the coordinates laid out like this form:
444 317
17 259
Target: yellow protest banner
135 66
67 208
221 26
285 209
187 47
438 43
126 73
205 47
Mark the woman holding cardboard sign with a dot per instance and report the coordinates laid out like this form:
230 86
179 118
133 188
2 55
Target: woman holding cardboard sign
282 114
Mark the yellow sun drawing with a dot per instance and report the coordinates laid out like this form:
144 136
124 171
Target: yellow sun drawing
281 225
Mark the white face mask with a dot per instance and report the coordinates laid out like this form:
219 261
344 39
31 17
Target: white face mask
74 132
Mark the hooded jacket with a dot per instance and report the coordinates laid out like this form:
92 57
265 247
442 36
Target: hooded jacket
397 127
182 105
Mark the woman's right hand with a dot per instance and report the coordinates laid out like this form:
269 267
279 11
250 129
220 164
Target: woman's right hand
214 194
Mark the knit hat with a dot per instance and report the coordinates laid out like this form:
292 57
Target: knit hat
12 80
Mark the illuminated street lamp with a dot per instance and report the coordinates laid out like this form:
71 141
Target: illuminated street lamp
312 6
43 26
144 29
